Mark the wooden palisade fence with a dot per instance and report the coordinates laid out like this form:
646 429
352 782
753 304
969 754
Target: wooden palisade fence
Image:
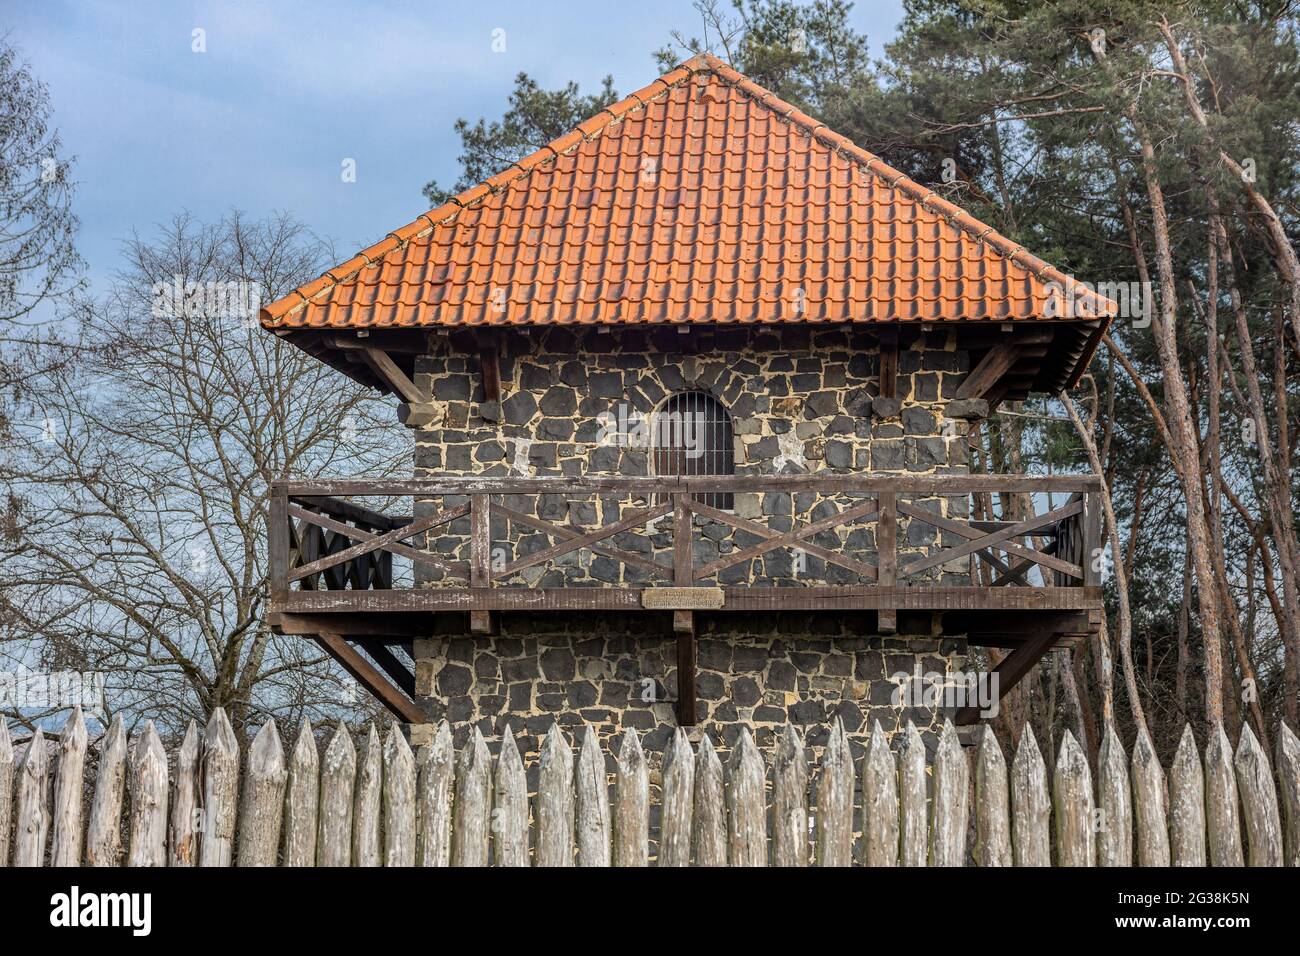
382 805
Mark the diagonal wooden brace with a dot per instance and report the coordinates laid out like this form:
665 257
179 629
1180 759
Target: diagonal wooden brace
397 702
1013 667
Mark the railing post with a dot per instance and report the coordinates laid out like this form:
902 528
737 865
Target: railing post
480 558
887 558
1090 522
277 527
684 621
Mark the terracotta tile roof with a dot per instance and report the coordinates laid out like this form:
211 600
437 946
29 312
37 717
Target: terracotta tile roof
700 198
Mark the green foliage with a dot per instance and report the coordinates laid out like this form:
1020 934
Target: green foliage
534 118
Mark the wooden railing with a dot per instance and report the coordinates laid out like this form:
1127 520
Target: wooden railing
885 543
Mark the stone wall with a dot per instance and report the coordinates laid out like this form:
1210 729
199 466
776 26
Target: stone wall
802 399
617 672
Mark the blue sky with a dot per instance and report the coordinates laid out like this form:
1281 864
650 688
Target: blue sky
286 91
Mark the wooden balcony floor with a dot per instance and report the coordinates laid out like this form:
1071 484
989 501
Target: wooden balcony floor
332 571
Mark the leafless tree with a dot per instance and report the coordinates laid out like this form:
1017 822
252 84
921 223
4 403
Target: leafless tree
135 525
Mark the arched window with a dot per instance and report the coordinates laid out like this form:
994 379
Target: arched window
692 436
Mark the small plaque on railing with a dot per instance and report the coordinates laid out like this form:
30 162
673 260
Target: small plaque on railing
682 599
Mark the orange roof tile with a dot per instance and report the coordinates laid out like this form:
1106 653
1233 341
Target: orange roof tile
700 198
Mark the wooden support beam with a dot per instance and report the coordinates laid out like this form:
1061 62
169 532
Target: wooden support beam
889 363
866 597
278 529
382 364
1013 667
978 627
390 664
887 556
388 629
406 341
997 362
684 621
686 708
480 560
488 362
365 673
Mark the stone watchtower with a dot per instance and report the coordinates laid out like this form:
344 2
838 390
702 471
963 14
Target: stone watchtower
690 389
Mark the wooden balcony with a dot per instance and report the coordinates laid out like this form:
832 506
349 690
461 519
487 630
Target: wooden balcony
1005 560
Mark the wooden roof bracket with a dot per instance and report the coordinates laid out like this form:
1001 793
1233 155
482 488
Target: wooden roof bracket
983 377
382 364
417 406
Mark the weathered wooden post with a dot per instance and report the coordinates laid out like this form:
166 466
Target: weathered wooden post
746 804
951 800
510 806
6 789
1258 800
710 829
1031 808
1072 793
301 799
789 801
366 847
835 801
472 829
1222 819
334 814
399 800
678 802
1288 773
1187 804
593 824
32 821
555 801
1115 839
104 832
262 802
436 783
992 804
65 837
631 804
183 838
915 833
148 836
1149 803
879 802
